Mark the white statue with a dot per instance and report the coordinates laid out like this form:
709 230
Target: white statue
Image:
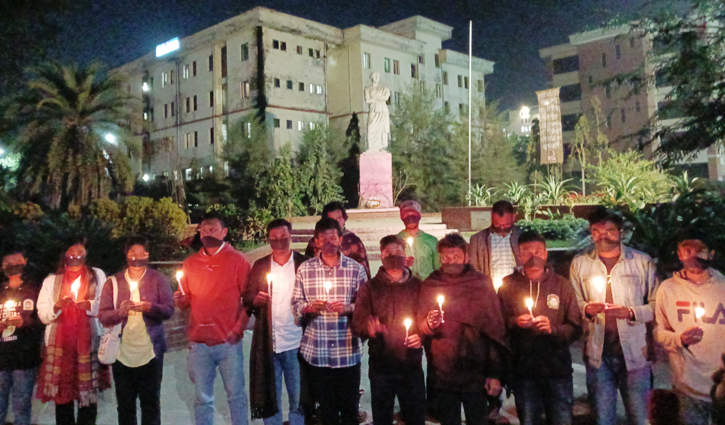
376 97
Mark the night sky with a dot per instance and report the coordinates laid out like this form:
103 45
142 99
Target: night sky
508 32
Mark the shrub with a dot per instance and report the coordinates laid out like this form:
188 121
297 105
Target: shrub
564 229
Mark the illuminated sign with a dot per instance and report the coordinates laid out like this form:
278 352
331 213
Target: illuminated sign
167 47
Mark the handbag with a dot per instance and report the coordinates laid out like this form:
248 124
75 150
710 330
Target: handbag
111 337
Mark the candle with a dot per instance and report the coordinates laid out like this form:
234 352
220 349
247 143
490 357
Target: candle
497 283
270 278
133 285
599 283
179 275
530 305
7 306
328 286
410 242
441 298
75 286
699 312
407 323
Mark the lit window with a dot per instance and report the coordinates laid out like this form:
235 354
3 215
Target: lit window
319 89
164 79
187 174
386 64
245 89
145 87
312 88
224 132
366 60
312 126
186 71
300 125
145 116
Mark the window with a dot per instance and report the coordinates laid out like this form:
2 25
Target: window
224 61
290 84
188 105
196 104
166 110
439 91
173 109
460 81
276 82
604 60
193 69
171 77
636 106
211 63
460 108
366 60
312 126
567 64
631 42
447 107
617 53
300 125
480 85
186 72
164 79
568 122
187 174
299 50
276 123
283 46
301 86
396 67
312 53
396 96
437 60
386 64
465 82
196 139
289 124
187 140
211 136
319 89
317 54
570 93
312 89
245 89
445 78
591 80
211 99
623 113
245 52
224 132
421 59
275 44
413 71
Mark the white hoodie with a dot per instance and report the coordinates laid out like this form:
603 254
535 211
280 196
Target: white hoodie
677 298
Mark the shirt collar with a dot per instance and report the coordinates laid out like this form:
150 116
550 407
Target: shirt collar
290 260
203 250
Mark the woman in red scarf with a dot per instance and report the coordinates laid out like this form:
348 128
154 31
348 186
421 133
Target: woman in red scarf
68 304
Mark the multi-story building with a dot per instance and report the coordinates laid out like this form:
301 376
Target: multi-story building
581 66
307 74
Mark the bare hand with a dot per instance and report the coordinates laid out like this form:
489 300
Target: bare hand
141 306
493 387
409 261
617 311
16 321
413 341
62 303
336 307
691 336
592 309
234 338
542 324
261 299
525 321
375 328
179 298
83 305
315 307
127 305
434 319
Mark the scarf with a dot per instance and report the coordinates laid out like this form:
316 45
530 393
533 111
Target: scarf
262 383
71 370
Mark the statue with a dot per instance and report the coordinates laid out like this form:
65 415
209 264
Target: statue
378 117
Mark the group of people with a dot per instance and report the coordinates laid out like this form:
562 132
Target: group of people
489 316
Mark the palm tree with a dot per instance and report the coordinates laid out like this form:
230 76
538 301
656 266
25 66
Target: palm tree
74 131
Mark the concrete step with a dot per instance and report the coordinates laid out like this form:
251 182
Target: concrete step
374 237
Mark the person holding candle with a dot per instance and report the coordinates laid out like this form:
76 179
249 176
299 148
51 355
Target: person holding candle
71 371
351 244
466 352
542 375
426 257
383 306
211 289
688 311
617 353
331 353
19 349
144 300
277 335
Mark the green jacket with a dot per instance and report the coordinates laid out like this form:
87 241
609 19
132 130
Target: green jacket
424 251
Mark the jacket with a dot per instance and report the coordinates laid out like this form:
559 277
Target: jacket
21 350
479 250
257 280
154 288
539 355
392 303
634 285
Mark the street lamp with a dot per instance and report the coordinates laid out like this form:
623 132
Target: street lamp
110 138
145 177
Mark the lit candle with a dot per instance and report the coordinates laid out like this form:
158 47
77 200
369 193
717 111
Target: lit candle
699 312
270 278
410 243
133 284
328 286
407 323
441 298
75 286
179 275
530 305
599 283
497 283
8 305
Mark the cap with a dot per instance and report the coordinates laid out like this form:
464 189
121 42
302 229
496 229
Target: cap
410 205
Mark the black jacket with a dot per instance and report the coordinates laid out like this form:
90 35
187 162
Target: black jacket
257 280
21 350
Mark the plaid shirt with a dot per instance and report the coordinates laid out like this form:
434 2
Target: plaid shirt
328 340
503 261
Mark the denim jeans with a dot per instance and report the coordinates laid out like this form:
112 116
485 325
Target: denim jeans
202 363
634 385
555 397
19 384
694 411
287 365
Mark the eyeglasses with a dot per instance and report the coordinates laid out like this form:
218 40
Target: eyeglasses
138 256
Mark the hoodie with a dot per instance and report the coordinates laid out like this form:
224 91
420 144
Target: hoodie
677 298
539 355
391 302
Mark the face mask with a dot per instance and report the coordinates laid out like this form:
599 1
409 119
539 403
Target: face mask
211 242
279 244
452 269
13 270
500 230
73 261
138 263
607 244
696 264
329 249
394 262
535 262
411 219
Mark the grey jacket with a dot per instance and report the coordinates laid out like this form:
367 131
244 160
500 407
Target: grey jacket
479 250
634 285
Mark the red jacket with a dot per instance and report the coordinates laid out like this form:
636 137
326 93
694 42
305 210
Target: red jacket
214 285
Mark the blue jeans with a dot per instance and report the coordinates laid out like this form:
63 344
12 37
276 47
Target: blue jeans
555 397
286 364
20 384
634 385
694 411
202 363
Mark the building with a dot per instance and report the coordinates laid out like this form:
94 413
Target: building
196 87
590 58
520 121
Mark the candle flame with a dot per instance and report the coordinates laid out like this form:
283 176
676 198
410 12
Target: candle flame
529 303
599 283
441 298
10 304
497 283
327 285
410 242
270 277
407 323
699 312
76 285
133 284
179 274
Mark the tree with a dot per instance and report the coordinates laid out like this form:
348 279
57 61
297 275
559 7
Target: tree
74 132
350 166
281 186
588 141
319 177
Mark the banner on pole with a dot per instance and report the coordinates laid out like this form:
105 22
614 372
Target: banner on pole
552 146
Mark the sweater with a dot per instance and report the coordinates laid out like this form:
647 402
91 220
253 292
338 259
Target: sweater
391 302
21 350
214 285
154 288
692 366
539 355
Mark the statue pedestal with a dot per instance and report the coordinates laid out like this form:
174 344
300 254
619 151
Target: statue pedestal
376 180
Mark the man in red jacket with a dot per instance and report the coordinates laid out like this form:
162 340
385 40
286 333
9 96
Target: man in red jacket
212 287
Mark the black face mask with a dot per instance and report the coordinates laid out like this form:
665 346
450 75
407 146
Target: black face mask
411 219
329 249
696 263
452 269
279 244
535 262
394 262
211 242
73 261
501 230
607 244
138 263
13 270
